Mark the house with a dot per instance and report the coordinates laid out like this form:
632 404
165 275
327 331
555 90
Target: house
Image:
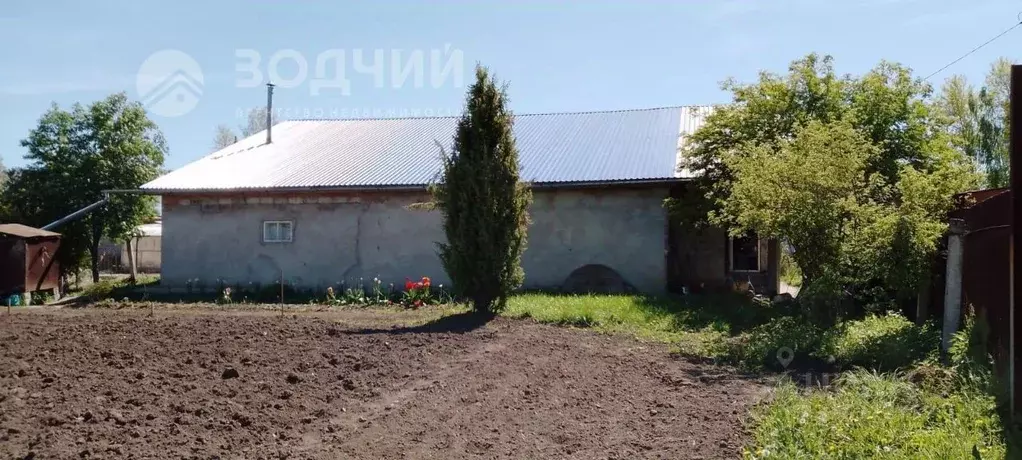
113 255
145 248
328 201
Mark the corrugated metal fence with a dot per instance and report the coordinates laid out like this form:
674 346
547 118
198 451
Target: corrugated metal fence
985 269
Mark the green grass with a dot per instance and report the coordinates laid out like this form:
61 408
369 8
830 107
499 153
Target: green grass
926 410
697 324
917 409
868 415
607 313
115 287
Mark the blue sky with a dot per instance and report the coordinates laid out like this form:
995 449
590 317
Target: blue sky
556 56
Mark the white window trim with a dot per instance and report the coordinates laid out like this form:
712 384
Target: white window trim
731 257
291 223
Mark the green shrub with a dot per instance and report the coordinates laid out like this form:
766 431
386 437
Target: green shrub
880 342
969 345
868 415
973 364
759 347
825 301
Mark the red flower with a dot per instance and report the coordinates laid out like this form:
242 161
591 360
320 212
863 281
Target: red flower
409 284
425 281
419 285
418 303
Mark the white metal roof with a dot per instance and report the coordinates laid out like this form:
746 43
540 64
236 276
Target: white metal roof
692 119
153 229
558 148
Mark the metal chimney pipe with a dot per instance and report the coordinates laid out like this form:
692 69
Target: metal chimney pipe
76 214
269 113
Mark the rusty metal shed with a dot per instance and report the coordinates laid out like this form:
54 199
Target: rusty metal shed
27 262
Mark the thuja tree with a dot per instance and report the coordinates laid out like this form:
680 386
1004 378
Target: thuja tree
483 203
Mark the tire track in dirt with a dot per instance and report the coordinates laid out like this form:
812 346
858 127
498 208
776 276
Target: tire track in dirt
393 399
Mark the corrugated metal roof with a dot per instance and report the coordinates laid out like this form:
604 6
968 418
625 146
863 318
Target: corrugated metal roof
24 231
583 147
692 118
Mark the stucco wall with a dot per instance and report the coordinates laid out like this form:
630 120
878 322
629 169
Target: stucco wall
343 238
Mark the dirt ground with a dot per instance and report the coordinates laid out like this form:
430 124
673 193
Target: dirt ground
248 384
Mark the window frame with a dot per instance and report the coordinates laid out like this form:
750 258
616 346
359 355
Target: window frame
731 255
291 234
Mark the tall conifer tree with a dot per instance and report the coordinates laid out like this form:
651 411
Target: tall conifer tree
484 205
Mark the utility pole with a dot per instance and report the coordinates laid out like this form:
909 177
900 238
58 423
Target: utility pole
1015 245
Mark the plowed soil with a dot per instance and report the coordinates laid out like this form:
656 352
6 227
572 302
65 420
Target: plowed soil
193 384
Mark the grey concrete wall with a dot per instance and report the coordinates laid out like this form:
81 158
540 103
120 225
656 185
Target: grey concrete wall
624 230
333 242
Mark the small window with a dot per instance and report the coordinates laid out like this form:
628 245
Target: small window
745 253
278 231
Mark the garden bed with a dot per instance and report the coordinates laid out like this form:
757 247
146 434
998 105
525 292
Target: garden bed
338 384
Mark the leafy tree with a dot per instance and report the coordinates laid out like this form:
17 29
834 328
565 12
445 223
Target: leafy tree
765 112
886 105
889 249
224 137
484 204
37 195
74 156
804 190
30 198
256 122
855 173
979 120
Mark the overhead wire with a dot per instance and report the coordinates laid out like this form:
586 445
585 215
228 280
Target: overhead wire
1019 23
